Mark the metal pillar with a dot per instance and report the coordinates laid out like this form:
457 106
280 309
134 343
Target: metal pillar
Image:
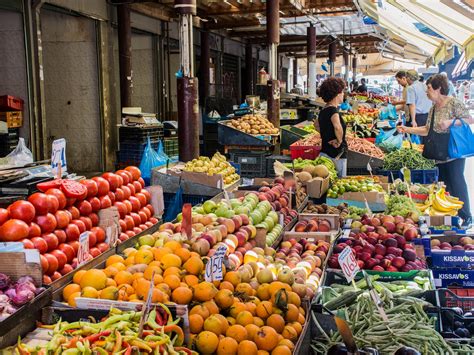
295 72
125 54
204 77
249 71
273 85
311 51
354 68
345 59
332 56
188 96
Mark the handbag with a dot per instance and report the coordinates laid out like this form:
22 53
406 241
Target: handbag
461 140
436 144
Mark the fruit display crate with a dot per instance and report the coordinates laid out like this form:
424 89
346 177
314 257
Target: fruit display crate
170 146
417 176
447 257
357 160
305 152
11 103
291 134
140 134
456 297
229 136
252 163
14 119
453 277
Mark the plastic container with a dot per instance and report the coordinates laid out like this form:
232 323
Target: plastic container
252 163
417 176
304 152
11 103
170 146
140 134
457 297
14 119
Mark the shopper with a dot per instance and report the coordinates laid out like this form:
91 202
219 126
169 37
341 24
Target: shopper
401 105
362 87
417 101
331 125
441 114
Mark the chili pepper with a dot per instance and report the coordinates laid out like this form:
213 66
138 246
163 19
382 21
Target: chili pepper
168 312
22 349
141 345
148 332
179 332
118 342
74 351
128 348
183 349
159 319
72 342
94 337
100 351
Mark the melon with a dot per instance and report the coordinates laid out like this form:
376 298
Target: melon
321 171
304 176
309 169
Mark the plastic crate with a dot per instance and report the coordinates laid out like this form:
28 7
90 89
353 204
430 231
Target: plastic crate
271 160
140 134
252 164
168 198
304 152
14 119
417 176
170 146
457 297
10 103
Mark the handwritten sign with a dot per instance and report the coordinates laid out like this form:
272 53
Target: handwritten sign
348 263
83 252
58 157
214 265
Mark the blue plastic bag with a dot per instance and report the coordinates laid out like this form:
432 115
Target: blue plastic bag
390 141
460 140
150 160
388 113
175 206
415 139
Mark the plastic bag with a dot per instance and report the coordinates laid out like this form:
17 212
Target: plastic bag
175 206
415 139
390 141
389 112
150 160
460 140
21 155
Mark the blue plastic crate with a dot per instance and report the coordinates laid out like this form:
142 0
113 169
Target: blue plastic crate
417 176
192 199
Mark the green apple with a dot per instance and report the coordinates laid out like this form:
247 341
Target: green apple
146 240
269 221
273 216
221 211
209 206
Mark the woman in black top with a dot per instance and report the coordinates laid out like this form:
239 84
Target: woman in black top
331 125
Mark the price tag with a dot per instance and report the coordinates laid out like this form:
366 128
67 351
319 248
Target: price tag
226 196
83 252
111 235
186 223
369 211
109 221
214 265
281 219
58 157
348 263
369 168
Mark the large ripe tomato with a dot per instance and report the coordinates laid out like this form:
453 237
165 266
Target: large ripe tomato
91 186
111 196
44 263
147 212
113 180
70 201
66 269
52 241
95 203
130 233
53 263
4 215
135 203
138 186
131 186
123 225
14 230
60 196
53 204
143 216
62 219
142 182
72 232
120 179
92 239
74 212
94 219
136 173
41 203
125 175
87 221
75 245
27 244
147 195
61 234
47 222
61 257
105 202
51 184
79 224
23 210
129 206
99 233
85 208
73 189
142 198
35 230
102 185
68 251
151 209
122 208
119 194
136 218
40 244
129 222
126 192
103 247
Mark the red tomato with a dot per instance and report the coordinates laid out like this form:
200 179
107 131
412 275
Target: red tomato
136 218
46 279
53 263
123 237
62 237
151 209
147 195
129 222
4 215
126 192
51 239
103 247
62 219
56 276
87 221
128 204
143 216
68 250
100 234
66 269
138 186
22 210
123 225
34 230
73 189
125 175
132 189
94 219
142 198
113 180
70 201
14 230
153 220
53 204
47 222
75 214
120 179
28 244
61 257
122 208
94 252
95 203
130 233
41 203
105 202
102 185
119 194
91 186
44 263
84 207
142 182
147 212
92 239
136 173
52 184
135 203
60 196
111 196
40 244
80 224
137 230
72 232
75 245
148 224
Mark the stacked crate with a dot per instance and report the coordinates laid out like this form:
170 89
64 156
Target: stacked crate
11 112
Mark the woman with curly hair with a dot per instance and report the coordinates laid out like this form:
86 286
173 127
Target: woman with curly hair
331 125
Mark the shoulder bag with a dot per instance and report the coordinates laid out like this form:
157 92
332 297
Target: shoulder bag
436 144
461 140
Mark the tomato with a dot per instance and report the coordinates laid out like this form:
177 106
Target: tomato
125 175
136 173
102 185
148 224
46 279
105 202
47 222
84 207
74 212
111 196
136 218
143 227
79 224
53 263
53 204
123 237
60 196
137 230
138 186
52 184
41 203
14 230
142 198
62 258
126 192
62 219
51 240
87 221
128 204
91 186
94 219
122 208
68 251
103 247
72 232
132 189
99 233
22 210
44 263
28 244
74 189
143 216
40 244
94 252
70 201
95 203
66 269
130 233
112 179
75 245
92 239
142 182
119 194
129 222
135 203
56 276
123 225
61 234
147 212
151 209
153 220
120 179
34 230
4 215
147 195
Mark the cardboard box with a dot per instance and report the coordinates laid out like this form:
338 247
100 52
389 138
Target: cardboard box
317 187
333 220
446 277
199 178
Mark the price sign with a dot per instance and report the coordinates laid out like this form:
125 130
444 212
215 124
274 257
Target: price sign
214 265
369 168
111 235
83 252
186 223
58 157
348 263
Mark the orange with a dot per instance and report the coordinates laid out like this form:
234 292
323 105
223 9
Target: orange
281 350
158 253
263 292
226 285
141 288
211 306
297 326
206 342
172 281
233 277
94 278
194 265
158 296
173 245
110 282
201 310
213 324
128 288
114 259
172 271
164 288
259 322
109 293
290 333
301 319
123 277
263 352
244 288
183 253
130 261
148 273
236 308
69 290
266 338
294 299
224 298
89 292
144 256
137 275
77 276
195 323
204 291
191 280
224 322
237 332
155 263
170 260
264 309
247 347
111 271
244 318
182 295
251 307
72 299
276 322
227 346
287 343
292 313
251 329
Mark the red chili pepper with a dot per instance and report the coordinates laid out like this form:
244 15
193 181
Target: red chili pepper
159 319
148 332
94 337
181 348
128 347
72 343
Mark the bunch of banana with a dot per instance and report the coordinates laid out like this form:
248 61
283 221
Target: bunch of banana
216 165
439 204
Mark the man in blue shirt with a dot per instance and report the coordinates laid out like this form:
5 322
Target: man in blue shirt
418 102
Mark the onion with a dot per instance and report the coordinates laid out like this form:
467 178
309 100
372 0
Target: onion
22 297
4 281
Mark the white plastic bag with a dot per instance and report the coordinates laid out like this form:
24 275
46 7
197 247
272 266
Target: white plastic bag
21 155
